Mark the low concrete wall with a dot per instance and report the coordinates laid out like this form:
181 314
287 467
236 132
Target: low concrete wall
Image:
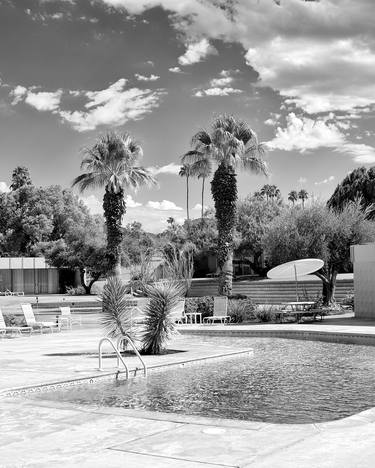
363 257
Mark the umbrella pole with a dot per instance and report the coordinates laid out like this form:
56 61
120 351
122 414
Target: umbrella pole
296 280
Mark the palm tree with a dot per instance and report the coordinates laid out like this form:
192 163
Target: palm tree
112 163
270 191
303 195
201 168
232 145
293 196
186 171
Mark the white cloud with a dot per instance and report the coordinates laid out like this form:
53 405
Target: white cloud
218 82
318 54
41 101
196 52
18 94
94 205
170 168
303 133
4 187
44 101
175 69
130 203
198 206
164 205
302 180
152 77
309 73
361 153
217 92
325 181
272 121
113 106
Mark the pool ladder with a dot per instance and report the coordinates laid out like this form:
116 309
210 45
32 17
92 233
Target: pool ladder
117 350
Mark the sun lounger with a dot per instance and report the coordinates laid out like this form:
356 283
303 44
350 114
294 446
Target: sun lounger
178 312
13 293
12 330
66 318
220 311
31 321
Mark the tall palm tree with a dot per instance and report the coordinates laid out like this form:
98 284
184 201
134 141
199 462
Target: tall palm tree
293 196
303 196
186 171
201 168
112 163
270 191
232 145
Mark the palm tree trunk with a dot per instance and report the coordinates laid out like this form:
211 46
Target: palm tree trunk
224 192
187 198
114 209
203 179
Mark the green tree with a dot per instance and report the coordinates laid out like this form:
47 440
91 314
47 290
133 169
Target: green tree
82 248
359 184
293 196
303 196
112 163
318 232
270 192
254 218
20 178
232 145
186 171
135 243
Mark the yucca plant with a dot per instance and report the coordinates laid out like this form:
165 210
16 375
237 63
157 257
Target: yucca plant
159 322
115 317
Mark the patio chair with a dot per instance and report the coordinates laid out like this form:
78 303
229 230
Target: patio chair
220 311
12 330
66 318
31 321
8 292
178 312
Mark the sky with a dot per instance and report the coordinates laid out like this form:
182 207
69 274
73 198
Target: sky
301 73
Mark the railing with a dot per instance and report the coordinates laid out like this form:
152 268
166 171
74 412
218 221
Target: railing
118 353
130 341
119 357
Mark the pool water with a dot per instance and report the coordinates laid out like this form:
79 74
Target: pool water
286 381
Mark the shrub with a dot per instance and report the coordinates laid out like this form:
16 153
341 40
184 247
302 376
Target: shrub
266 313
159 324
241 310
78 291
12 320
115 317
203 305
349 300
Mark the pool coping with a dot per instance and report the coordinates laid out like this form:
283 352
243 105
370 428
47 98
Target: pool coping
344 337
103 376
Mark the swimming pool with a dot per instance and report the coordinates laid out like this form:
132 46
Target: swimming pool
285 381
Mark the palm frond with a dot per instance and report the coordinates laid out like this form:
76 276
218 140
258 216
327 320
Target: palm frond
115 317
159 325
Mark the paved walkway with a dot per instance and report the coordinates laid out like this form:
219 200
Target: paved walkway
36 433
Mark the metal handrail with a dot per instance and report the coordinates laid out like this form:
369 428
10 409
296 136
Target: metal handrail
119 357
129 340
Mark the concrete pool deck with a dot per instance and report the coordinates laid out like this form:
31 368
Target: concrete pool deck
38 433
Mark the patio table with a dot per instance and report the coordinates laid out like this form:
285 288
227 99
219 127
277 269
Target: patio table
297 308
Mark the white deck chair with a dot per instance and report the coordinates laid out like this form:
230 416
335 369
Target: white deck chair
178 312
66 318
12 330
31 321
220 311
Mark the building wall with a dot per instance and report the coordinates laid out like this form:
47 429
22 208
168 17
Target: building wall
363 258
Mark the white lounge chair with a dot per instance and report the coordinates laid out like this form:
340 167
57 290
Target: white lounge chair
220 311
8 292
31 321
66 318
12 330
178 312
